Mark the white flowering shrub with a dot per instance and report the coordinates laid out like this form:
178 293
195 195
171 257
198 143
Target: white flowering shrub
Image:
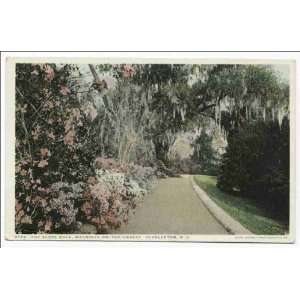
133 189
144 176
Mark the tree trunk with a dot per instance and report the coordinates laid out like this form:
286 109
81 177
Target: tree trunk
94 73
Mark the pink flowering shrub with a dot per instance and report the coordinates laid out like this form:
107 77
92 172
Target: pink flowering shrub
110 195
51 130
61 181
98 205
128 71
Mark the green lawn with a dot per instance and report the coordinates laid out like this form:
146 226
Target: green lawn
240 209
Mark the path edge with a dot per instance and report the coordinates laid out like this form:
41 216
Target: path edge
230 224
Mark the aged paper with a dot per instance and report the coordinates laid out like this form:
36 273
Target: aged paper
47 201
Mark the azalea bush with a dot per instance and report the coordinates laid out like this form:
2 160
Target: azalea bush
144 176
109 196
61 183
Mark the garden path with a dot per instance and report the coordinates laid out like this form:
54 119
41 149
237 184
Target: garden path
172 207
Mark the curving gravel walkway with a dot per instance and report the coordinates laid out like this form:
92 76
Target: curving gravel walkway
172 208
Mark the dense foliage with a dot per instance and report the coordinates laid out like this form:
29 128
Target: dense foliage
205 155
256 165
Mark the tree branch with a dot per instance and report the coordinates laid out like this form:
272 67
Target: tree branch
205 107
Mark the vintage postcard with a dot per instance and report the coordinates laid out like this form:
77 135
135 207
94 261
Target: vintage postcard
150 149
